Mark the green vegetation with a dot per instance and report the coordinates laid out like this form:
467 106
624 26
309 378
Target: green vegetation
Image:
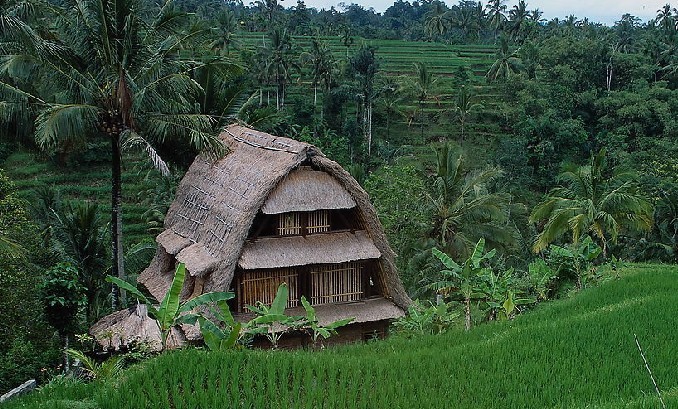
579 352
470 125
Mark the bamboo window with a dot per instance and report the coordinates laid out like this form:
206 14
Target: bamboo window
289 224
318 221
262 285
336 283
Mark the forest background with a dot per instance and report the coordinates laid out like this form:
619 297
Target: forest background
464 122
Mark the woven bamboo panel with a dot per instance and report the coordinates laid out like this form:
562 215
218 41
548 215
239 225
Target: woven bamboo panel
318 221
263 285
289 224
336 283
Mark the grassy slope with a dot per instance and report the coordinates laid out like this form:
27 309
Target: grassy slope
92 183
574 353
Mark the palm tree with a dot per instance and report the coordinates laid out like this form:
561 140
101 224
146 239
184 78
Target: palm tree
103 71
495 14
466 209
391 99
507 63
346 38
436 19
422 87
226 27
279 62
83 234
666 19
591 203
365 66
464 108
518 16
322 66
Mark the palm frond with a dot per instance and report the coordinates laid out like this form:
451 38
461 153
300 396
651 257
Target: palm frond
131 139
71 122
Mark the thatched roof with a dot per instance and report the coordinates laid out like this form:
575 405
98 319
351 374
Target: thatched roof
330 248
207 225
126 327
305 189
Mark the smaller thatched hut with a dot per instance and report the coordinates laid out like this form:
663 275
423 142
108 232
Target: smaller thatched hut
274 210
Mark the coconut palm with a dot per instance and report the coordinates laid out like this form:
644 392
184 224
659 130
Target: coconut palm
104 72
466 209
591 203
365 66
666 19
224 31
321 60
518 17
437 19
391 98
422 86
279 62
495 14
464 108
508 62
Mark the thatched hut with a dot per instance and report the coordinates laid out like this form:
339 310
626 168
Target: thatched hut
276 210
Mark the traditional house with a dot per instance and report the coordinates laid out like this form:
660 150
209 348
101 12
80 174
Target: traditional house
274 210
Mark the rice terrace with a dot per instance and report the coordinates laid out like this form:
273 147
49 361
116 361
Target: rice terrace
220 204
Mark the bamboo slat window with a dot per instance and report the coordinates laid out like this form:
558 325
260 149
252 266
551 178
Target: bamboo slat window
336 283
289 224
318 221
262 286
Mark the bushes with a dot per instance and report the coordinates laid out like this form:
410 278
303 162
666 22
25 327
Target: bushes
26 341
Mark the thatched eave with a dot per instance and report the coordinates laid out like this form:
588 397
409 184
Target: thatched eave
172 242
130 326
305 189
198 260
327 248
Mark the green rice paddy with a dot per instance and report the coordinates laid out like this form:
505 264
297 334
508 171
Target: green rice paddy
578 352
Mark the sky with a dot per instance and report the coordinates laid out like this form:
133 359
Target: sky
602 11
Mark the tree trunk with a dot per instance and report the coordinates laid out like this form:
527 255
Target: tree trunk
467 311
117 295
369 129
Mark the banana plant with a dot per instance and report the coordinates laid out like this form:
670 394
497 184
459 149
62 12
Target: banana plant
172 311
270 320
217 338
541 278
311 324
463 279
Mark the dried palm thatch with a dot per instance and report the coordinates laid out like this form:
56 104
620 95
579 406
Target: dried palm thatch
132 325
330 248
207 225
305 189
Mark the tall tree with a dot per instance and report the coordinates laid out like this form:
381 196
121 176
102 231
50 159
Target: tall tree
507 63
437 19
321 60
495 14
365 66
280 61
518 17
464 108
103 71
226 26
466 207
422 86
591 203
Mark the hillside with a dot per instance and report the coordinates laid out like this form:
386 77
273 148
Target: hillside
572 353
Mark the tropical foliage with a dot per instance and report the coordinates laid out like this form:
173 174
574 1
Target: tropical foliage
592 203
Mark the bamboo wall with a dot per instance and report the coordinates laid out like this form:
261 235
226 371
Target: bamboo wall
321 284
